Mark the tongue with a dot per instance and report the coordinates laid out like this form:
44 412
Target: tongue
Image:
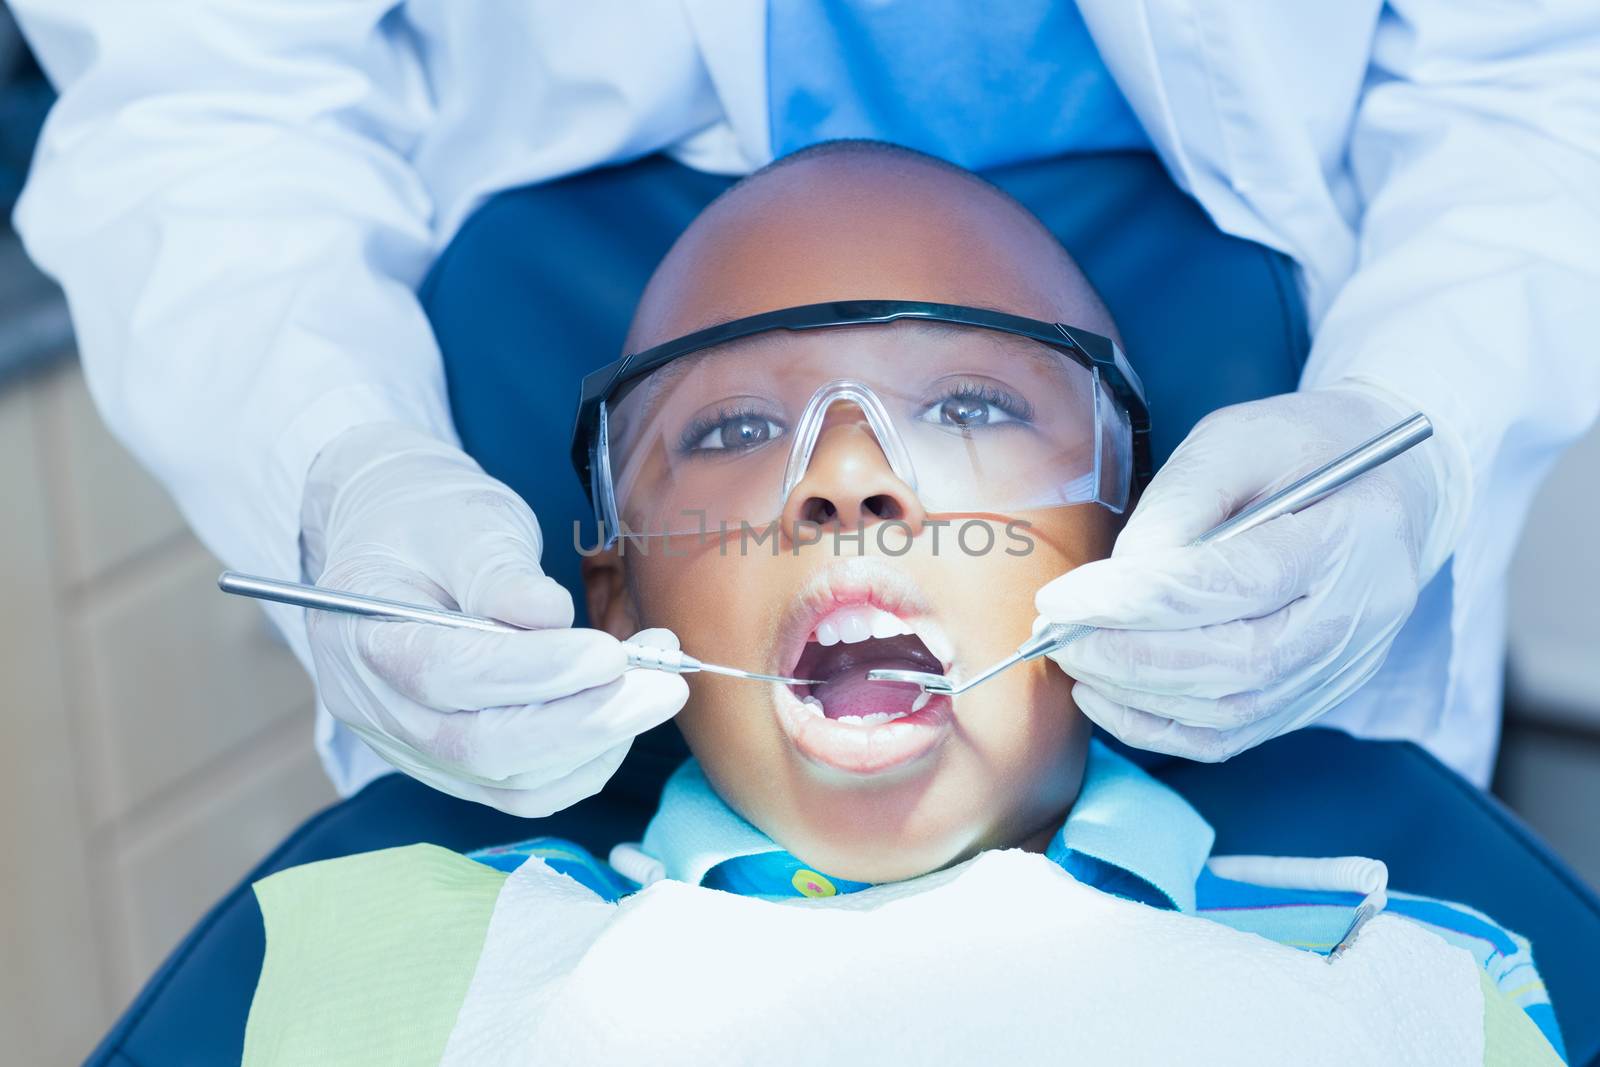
849 693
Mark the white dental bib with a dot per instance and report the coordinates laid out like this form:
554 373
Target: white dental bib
1004 959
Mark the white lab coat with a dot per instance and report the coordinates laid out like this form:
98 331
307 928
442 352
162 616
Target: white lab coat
240 197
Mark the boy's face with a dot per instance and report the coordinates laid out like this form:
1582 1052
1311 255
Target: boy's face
859 798
867 800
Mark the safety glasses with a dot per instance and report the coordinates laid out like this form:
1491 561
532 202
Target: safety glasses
974 411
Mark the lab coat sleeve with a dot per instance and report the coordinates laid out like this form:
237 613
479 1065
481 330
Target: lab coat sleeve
1476 152
223 190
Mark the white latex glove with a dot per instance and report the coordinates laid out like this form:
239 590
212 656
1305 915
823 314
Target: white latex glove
1207 651
525 722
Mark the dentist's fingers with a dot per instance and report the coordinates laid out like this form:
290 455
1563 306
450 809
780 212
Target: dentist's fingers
497 572
1208 477
1244 577
513 589
511 747
1238 454
1225 713
527 747
530 797
1213 662
456 670
1198 730
512 742
657 637
1155 733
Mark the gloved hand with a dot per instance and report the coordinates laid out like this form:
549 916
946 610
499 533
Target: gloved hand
525 722
1207 651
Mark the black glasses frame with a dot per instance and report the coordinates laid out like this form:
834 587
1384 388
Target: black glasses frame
1089 349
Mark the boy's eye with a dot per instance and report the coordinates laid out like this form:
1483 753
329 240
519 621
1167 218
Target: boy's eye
966 409
734 433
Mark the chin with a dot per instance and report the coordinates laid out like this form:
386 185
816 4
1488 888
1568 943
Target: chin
871 861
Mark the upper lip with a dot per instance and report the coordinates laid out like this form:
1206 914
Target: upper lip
843 583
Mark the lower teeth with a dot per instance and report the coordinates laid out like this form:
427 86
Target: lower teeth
871 719
813 707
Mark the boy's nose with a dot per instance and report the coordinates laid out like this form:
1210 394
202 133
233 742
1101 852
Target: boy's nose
850 483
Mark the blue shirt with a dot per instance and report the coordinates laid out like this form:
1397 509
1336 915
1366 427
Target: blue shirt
1027 82
1127 834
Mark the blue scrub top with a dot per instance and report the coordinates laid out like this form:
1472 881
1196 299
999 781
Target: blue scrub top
1023 81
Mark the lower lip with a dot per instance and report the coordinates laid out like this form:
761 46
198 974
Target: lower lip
864 749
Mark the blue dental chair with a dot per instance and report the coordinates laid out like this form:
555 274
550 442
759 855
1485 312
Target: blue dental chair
537 289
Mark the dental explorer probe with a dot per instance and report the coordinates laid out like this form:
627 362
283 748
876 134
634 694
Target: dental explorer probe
319 598
1301 493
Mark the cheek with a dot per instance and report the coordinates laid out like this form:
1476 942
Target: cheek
1024 723
665 589
1021 761
1018 725
720 607
734 736
1029 727
717 606
1063 538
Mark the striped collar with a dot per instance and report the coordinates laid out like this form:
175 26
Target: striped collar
1127 834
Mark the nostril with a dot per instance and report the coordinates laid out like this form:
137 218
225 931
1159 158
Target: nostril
883 506
818 511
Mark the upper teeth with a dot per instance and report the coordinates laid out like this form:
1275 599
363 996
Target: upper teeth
857 623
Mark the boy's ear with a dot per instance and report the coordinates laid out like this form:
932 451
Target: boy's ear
605 587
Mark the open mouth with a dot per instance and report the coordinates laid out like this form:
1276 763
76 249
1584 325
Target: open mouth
846 644
853 617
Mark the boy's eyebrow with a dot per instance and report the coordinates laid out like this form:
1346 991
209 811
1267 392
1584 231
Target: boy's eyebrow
660 381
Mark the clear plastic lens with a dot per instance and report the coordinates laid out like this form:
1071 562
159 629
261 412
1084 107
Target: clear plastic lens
1113 450
972 420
